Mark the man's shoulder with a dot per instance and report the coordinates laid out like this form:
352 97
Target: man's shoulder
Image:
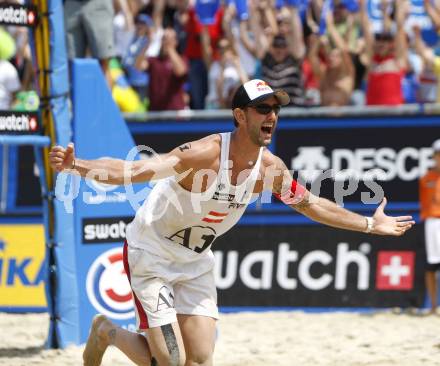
210 143
269 159
200 153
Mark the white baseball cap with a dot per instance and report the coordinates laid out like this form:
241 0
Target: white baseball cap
256 90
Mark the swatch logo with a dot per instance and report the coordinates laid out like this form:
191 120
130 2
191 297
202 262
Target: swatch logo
16 14
104 229
22 123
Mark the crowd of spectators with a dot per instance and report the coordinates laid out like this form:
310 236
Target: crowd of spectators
16 72
191 54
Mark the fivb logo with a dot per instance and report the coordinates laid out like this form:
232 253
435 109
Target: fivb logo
107 286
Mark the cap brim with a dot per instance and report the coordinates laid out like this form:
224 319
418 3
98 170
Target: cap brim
282 97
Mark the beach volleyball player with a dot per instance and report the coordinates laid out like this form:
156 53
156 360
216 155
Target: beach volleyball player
203 189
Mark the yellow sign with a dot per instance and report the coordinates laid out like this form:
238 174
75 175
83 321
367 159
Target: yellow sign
22 274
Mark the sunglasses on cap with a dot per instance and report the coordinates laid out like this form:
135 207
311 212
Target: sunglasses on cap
266 108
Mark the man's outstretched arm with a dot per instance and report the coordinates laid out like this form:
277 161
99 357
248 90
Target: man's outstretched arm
116 171
329 213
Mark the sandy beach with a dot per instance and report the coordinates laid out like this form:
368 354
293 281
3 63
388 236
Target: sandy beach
257 339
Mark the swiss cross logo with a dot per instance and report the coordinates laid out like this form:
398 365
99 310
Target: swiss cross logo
33 123
395 270
31 17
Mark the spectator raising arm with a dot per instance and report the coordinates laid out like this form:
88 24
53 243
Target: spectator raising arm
313 12
263 36
141 62
422 50
228 16
400 42
433 13
341 44
387 50
169 45
158 10
318 68
295 37
366 31
336 73
207 51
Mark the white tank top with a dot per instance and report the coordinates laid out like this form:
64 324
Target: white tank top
180 225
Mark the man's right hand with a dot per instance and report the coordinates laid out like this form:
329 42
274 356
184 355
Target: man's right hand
61 158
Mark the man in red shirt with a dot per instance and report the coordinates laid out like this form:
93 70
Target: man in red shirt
200 48
386 57
167 73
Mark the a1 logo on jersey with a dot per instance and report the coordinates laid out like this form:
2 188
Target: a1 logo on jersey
197 238
107 286
395 270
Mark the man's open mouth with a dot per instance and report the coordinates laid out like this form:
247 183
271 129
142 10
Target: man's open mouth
267 128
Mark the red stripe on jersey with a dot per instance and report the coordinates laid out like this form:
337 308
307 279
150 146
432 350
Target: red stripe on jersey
143 319
212 220
213 213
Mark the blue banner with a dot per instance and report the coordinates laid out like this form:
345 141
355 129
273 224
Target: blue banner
50 60
101 212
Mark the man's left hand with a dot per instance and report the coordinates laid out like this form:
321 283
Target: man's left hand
389 225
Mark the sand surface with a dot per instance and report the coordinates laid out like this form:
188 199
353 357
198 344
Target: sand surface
257 339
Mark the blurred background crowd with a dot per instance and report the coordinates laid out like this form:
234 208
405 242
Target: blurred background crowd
191 54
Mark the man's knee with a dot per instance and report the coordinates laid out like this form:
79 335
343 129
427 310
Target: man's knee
199 357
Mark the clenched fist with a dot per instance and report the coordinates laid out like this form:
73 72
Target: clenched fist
61 158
